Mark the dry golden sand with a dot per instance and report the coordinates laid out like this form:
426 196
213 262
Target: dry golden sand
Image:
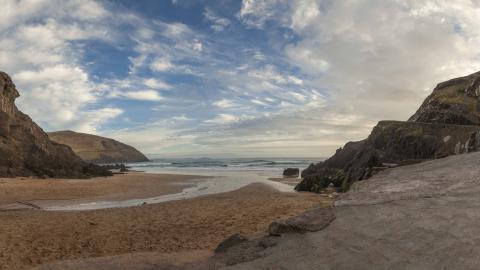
30 238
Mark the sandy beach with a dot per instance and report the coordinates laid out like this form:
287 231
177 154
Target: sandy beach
30 238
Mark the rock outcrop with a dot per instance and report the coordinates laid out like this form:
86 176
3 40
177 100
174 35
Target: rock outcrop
291 172
447 123
98 149
26 150
452 102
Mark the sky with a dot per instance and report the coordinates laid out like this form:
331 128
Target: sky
251 78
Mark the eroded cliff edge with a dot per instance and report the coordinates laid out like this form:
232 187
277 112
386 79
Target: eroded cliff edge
26 150
447 123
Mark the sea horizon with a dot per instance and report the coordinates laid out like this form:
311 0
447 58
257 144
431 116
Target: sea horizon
270 164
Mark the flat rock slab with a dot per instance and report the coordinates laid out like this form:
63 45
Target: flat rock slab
424 216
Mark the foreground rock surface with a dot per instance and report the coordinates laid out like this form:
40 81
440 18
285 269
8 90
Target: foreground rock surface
26 150
98 149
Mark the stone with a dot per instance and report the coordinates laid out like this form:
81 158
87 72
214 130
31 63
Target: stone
231 241
309 221
291 172
312 221
118 166
278 228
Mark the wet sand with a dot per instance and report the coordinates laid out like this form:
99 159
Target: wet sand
120 186
291 181
191 227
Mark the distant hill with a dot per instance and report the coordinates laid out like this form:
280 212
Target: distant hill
97 149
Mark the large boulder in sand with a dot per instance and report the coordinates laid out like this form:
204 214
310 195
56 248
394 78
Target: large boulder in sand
97 149
26 150
291 172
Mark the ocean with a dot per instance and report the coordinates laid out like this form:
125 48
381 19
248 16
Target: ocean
227 174
274 166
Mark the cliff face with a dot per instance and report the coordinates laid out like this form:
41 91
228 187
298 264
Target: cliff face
98 149
447 123
26 150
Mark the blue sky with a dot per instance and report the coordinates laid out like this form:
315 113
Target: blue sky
232 77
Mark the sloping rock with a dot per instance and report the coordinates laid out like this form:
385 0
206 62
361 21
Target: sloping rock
98 149
447 123
26 150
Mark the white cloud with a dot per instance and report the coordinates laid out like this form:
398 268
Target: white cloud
149 95
305 13
91 120
224 103
224 118
218 23
156 83
255 13
181 118
161 64
197 46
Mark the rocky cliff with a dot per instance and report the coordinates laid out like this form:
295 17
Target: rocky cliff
447 123
97 149
26 150
452 102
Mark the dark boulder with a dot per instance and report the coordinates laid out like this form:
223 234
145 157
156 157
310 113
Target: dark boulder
291 172
231 241
309 221
118 166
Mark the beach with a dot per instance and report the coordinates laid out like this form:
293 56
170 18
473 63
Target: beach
194 226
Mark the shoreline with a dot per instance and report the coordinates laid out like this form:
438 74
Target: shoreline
119 191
